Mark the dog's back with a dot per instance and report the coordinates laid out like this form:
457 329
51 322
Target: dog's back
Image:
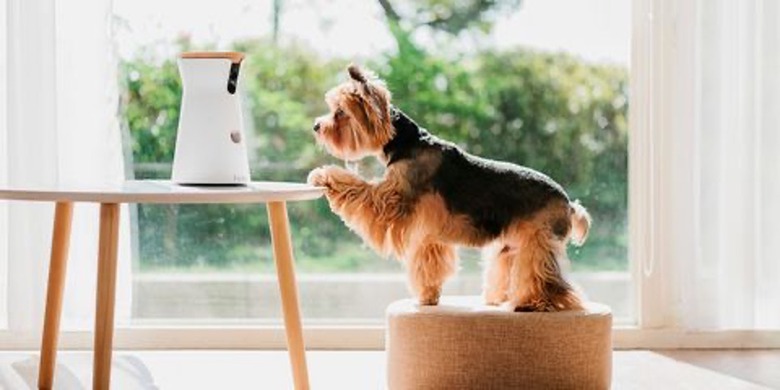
492 194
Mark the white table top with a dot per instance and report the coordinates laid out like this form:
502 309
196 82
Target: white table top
163 191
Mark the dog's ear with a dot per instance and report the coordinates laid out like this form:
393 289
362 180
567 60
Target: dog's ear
377 98
373 88
357 74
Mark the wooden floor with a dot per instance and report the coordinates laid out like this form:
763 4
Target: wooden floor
757 369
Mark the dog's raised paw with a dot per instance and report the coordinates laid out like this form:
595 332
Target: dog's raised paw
318 177
328 175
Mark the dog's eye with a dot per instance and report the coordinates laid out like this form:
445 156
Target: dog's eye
339 113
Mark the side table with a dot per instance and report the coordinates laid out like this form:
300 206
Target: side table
274 194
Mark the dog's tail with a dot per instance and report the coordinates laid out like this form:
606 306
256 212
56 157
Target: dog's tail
580 223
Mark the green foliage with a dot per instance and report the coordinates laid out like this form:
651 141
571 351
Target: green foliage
151 108
552 112
284 93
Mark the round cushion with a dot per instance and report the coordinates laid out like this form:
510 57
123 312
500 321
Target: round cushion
464 344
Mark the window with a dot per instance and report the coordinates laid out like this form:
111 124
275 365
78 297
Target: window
520 81
703 138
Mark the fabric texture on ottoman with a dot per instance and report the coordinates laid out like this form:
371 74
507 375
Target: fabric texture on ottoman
464 344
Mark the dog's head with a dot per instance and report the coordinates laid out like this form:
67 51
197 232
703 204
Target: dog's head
359 123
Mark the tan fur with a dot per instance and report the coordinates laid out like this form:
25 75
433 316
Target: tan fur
429 266
536 255
523 265
359 123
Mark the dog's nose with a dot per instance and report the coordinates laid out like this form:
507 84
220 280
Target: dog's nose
316 126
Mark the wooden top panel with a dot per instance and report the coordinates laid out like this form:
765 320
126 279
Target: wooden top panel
233 56
163 191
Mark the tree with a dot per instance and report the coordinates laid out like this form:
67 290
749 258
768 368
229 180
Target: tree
449 16
276 14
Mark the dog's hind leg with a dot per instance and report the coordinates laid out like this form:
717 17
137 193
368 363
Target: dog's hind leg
536 282
429 265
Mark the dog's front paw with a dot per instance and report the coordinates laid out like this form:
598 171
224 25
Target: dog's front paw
318 177
429 296
330 176
494 298
327 176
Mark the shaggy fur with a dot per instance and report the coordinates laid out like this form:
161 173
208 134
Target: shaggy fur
434 196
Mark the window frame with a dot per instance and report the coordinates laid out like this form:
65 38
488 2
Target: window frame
651 82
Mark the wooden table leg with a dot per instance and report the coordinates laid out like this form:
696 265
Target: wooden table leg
283 256
106 287
60 243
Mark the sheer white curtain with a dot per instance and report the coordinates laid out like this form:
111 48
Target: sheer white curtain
61 130
90 143
708 116
3 170
739 163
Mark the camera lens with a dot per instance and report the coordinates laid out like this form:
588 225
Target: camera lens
233 78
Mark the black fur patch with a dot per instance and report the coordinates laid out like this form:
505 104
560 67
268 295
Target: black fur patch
491 193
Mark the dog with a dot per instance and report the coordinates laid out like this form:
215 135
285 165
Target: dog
434 196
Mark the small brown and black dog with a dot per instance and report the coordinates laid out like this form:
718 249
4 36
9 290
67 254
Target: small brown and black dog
435 196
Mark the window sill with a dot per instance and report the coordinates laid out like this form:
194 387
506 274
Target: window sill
367 338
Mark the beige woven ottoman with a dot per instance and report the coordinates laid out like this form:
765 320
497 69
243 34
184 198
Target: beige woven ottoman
463 344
